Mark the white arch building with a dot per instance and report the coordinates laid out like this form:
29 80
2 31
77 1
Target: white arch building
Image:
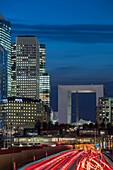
64 99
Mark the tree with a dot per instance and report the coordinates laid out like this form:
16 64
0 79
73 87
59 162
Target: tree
85 126
38 126
50 124
91 125
44 125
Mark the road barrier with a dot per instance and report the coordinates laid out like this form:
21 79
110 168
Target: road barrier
12 159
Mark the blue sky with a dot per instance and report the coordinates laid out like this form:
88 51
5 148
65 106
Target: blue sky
78 35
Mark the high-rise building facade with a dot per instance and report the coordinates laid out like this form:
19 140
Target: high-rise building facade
44 88
13 69
5 42
44 78
104 113
27 67
23 112
3 73
20 56
42 60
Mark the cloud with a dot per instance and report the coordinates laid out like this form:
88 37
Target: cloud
73 74
67 33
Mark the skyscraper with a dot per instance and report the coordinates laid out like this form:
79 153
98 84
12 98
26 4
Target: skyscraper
27 67
5 42
42 60
13 69
3 73
44 78
44 88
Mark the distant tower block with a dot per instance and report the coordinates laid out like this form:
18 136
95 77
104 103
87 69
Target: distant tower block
27 67
64 99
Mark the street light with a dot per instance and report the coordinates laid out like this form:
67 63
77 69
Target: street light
18 135
11 134
5 136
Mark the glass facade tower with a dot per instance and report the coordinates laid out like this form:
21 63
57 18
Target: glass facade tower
42 60
44 88
5 42
3 73
13 69
44 78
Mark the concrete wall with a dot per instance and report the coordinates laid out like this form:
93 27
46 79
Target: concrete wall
22 157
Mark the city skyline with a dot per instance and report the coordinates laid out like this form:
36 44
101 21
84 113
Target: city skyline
78 37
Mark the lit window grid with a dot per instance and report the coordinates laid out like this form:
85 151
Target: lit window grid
104 111
5 41
13 69
28 113
44 89
27 53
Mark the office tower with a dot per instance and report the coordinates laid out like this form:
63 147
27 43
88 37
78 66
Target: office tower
42 60
44 88
5 42
13 69
3 73
23 112
104 114
27 67
44 78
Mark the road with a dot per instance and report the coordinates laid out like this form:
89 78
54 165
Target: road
71 160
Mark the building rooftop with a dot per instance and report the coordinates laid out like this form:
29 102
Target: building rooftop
21 99
26 36
82 122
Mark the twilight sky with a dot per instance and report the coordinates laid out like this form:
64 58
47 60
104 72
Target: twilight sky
78 35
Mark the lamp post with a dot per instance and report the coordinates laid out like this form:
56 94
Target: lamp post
11 134
18 135
5 136
18 114
77 108
95 136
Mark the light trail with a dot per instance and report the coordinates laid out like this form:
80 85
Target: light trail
79 160
93 161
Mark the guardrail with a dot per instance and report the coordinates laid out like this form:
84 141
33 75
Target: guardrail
108 153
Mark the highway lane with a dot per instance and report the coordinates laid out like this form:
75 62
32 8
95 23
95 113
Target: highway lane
61 160
93 160
71 160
